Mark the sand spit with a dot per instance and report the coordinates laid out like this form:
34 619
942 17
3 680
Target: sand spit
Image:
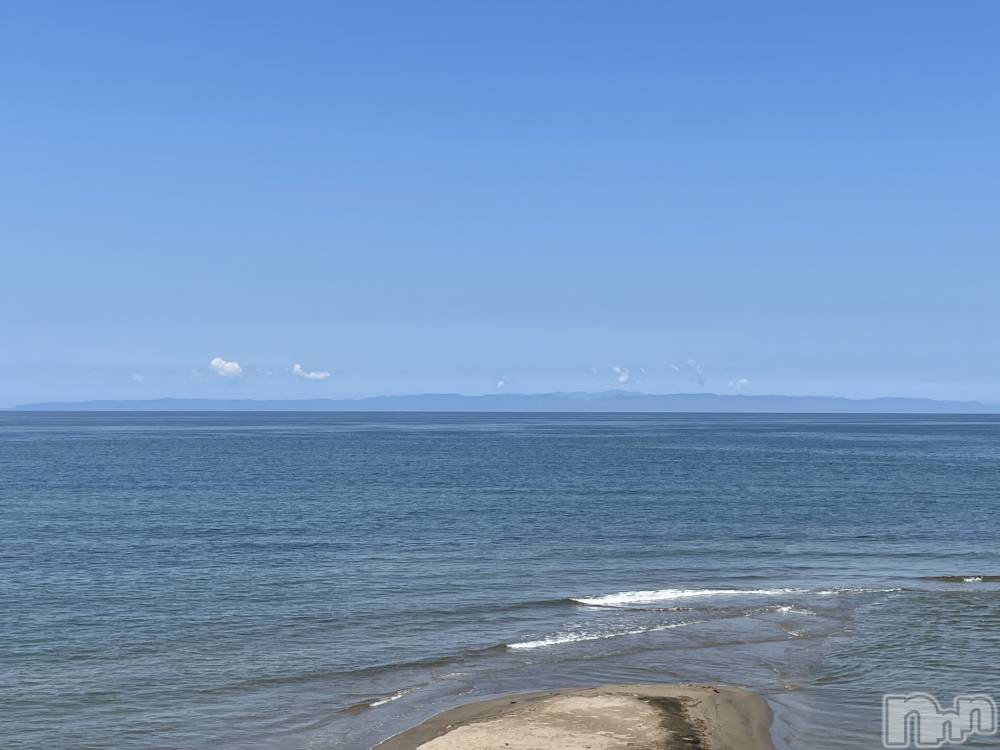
633 717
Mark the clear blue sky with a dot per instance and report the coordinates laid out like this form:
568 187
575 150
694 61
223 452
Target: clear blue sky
440 196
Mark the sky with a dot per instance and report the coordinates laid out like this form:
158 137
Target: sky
334 199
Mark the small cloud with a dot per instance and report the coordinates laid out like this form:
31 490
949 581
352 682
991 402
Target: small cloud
225 369
697 369
674 367
501 382
298 372
739 384
136 377
622 374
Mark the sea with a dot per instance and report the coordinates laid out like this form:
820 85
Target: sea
303 581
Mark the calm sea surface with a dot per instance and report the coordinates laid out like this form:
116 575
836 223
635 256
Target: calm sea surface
243 581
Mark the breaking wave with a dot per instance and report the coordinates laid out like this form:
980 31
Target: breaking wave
790 610
964 579
561 638
625 598
389 699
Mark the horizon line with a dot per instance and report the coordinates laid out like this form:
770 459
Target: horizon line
577 401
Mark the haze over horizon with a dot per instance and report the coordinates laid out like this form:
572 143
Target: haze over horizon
242 201
611 401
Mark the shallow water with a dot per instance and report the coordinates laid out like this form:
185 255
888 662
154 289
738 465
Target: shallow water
326 580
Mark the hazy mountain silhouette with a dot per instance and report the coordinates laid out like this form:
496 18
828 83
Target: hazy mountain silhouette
605 401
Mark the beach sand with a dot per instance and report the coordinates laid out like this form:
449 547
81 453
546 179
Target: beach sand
637 717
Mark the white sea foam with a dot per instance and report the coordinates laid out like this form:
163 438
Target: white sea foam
625 598
394 697
561 638
973 579
848 590
789 610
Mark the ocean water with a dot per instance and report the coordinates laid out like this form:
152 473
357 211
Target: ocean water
292 581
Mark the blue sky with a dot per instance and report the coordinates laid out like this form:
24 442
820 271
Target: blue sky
763 197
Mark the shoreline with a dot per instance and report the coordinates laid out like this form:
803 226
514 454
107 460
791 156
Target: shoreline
638 717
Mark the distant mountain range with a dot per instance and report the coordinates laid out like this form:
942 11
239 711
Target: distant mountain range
606 401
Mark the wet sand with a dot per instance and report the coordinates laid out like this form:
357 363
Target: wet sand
637 717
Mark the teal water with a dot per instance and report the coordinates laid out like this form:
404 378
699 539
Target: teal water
326 580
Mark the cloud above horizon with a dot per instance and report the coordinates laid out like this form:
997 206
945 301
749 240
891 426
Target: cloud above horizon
225 369
698 371
622 374
298 372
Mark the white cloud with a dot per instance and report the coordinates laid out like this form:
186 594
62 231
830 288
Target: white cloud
225 369
622 374
501 383
674 367
739 384
697 369
298 372
136 377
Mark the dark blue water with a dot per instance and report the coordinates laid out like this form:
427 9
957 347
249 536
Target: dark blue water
326 580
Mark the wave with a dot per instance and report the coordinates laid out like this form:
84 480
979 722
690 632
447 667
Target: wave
963 579
390 698
789 610
625 598
561 638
